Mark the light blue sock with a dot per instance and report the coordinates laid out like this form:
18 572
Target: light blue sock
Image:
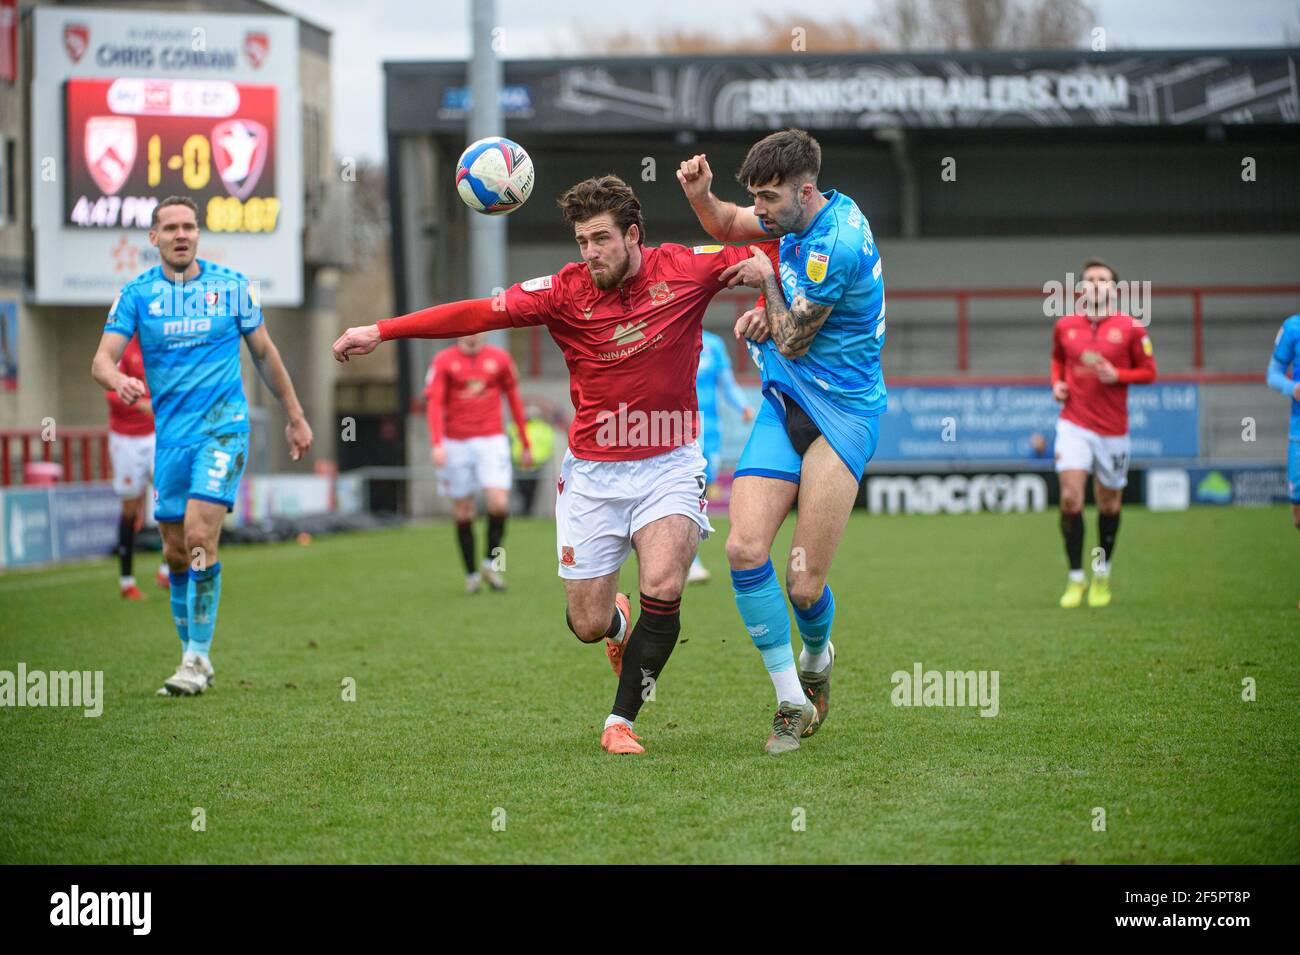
815 622
203 597
762 607
180 590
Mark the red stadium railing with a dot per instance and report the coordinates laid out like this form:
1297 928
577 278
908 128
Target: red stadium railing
961 299
83 453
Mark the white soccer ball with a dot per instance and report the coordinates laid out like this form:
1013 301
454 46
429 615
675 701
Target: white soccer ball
494 176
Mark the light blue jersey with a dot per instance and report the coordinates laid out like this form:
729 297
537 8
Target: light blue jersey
1286 354
189 336
714 373
839 383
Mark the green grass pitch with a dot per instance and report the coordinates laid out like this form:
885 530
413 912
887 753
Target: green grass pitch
471 710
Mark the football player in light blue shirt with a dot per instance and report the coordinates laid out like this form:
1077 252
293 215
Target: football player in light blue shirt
1286 353
191 315
817 345
714 375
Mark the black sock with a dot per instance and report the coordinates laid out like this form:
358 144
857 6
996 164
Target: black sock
125 545
1072 529
496 531
465 534
646 652
1107 528
614 623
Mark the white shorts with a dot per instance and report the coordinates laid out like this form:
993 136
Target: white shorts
601 504
1078 449
132 457
474 464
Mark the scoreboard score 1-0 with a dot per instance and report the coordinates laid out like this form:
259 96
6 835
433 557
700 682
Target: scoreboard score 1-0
133 141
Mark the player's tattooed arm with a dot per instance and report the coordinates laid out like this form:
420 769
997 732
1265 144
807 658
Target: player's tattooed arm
793 326
270 366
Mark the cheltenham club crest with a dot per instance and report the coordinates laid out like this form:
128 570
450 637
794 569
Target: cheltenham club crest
110 151
239 151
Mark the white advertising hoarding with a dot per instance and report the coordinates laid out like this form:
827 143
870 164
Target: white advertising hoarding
131 106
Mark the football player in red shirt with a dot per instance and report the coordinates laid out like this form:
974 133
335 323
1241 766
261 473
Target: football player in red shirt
470 450
130 447
1096 354
628 319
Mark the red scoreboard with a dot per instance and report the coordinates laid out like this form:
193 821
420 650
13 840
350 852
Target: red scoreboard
133 141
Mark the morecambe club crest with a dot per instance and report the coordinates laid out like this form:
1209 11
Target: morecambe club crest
110 151
239 151
76 40
660 293
256 47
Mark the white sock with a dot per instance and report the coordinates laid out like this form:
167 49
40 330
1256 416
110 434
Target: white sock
788 687
618 637
1101 570
164 570
815 663
612 719
1076 577
125 582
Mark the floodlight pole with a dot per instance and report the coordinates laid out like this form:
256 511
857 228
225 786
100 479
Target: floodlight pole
487 234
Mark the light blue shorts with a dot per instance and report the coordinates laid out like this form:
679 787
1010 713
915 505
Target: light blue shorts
208 470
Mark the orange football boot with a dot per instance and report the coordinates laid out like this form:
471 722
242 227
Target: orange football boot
614 651
619 739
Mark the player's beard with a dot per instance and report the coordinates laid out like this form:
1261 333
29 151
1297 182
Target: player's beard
788 220
613 274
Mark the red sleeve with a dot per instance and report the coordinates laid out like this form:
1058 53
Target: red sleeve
1058 357
705 263
510 382
447 321
533 302
435 393
1142 355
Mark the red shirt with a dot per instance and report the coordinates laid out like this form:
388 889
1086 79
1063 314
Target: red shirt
124 418
1077 343
632 351
464 391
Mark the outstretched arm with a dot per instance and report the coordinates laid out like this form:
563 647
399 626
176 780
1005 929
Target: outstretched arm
725 221
271 367
441 321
